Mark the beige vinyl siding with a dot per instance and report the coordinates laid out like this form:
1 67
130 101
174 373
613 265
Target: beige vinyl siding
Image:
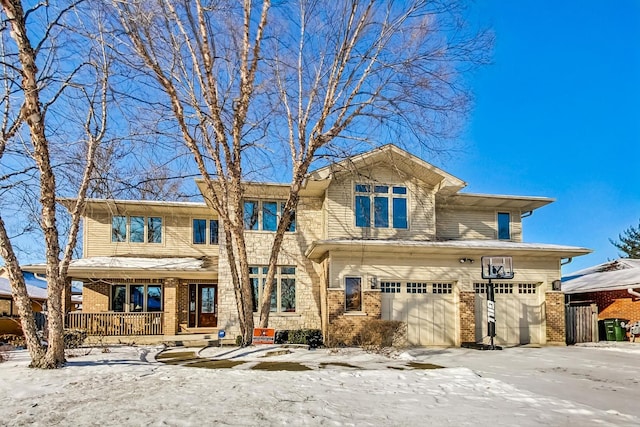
471 224
176 234
340 214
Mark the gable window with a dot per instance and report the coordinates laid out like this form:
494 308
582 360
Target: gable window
283 297
200 228
389 206
265 214
504 225
136 298
140 229
353 293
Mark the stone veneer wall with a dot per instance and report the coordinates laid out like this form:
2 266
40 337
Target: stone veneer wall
467 316
556 328
258 243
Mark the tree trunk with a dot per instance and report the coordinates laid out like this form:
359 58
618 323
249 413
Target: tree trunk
21 298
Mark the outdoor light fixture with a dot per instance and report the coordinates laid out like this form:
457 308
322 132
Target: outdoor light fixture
463 260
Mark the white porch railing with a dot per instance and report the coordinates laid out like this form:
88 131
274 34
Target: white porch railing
115 324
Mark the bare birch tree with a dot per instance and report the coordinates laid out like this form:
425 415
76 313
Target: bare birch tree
309 77
45 80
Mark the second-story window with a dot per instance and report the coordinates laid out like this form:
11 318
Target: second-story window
265 215
200 228
504 225
389 206
136 229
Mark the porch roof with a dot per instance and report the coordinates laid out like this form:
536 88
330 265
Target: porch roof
137 267
318 249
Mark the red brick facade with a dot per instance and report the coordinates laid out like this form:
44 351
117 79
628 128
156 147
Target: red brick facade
613 304
351 324
467 317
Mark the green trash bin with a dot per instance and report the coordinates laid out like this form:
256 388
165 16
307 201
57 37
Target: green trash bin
620 332
610 329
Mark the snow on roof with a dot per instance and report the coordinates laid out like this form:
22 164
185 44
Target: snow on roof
614 275
190 264
34 292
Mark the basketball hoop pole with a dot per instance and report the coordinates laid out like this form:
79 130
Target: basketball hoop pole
491 314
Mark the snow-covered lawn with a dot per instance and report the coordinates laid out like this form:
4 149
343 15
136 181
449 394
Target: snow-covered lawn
514 387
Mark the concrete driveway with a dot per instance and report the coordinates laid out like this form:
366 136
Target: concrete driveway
605 375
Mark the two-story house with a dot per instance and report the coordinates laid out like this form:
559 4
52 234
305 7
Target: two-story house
379 235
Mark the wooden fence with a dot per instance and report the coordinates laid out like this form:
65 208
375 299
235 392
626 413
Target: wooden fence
581 323
115 324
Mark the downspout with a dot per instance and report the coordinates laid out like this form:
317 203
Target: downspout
568 261
634 293
526 214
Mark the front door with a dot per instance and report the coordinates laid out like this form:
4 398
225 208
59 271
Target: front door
203 306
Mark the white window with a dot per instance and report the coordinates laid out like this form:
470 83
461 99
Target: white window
389 206
202 228
417 287
136 229
283 297
504 225
136 297
265 215
390 287
353 293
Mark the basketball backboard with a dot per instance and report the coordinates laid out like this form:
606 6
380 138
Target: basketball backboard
497 267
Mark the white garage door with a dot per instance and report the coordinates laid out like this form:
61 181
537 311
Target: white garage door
428 309
518 313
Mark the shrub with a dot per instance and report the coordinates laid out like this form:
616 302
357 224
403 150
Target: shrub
372 334
13 340
74 338
310 337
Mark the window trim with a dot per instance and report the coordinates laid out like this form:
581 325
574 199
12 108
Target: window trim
126 305
145 230
346 295
498 228
261 277
373 193
260 215
207 231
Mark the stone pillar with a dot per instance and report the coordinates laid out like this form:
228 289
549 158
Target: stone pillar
555 318
170 326
467 316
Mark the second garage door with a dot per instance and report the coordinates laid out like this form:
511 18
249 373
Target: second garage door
427 308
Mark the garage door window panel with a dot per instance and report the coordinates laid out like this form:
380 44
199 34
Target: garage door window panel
390 287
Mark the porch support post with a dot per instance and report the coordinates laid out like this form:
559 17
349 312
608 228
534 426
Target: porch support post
170 307
66 300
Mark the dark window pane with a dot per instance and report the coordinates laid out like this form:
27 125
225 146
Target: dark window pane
504 226
136 298
288 295
213 232
250 215
199 231
381 189
399 213
287 270
292 217
207 299
256 291
399 190
118 297
154 298
363 211
253 270
119 229
269 216
353 294
136 228
381 212
154 229
363 188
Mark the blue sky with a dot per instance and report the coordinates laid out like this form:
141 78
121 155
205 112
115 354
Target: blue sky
557 114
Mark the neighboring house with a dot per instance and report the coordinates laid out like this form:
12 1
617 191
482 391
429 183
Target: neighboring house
382 235
9 317
613 286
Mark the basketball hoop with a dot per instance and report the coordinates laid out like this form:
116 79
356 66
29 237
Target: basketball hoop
497 267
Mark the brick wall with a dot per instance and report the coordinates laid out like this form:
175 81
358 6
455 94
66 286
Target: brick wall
95 297
350 324
613 304
170 307
556 330
467 316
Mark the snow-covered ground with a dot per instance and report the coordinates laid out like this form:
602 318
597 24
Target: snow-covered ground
513 387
